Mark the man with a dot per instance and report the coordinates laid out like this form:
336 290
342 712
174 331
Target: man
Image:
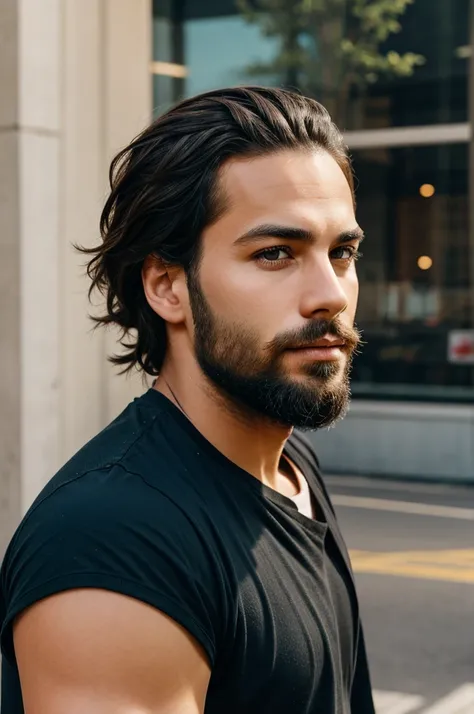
187 559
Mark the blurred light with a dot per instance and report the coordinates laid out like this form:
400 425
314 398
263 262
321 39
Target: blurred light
169 69
425 262
427 190
463 52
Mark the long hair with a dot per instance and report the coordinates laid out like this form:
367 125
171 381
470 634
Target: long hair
165 191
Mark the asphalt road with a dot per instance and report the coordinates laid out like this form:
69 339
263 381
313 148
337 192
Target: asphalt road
412 548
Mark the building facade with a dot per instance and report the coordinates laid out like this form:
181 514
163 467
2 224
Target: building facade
80 78
409 135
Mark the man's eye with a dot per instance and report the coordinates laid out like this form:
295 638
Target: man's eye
347 253
274 255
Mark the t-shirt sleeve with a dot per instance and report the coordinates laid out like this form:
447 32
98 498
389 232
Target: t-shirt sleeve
112 530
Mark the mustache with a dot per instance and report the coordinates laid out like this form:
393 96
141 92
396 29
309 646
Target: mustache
316 330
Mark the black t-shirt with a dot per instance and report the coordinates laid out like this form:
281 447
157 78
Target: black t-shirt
149 508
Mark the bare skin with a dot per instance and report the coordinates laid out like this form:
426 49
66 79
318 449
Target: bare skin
100 652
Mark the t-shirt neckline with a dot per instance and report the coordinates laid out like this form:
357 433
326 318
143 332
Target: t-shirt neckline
158 400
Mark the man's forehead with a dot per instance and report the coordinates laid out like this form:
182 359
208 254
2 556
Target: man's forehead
286 175
292 190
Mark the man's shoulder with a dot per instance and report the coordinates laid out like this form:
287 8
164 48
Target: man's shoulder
131 454
121 515
122 510
119 441
126 475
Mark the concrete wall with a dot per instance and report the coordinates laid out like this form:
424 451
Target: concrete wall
400 439
75 87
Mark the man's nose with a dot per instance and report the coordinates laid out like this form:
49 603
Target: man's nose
323 294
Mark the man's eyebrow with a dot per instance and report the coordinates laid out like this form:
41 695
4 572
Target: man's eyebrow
270 230
356 234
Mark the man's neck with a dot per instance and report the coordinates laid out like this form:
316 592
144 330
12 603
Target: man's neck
253 443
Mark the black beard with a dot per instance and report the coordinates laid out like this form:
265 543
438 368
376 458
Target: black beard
230 357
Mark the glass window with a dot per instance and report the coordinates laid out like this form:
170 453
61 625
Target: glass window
416 76
416 300
436 92
168 69
225 64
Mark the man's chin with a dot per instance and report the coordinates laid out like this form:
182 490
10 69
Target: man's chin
323 417
325 372
315 402
307 404
318 384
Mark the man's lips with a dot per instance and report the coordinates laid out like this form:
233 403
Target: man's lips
325 349
323 343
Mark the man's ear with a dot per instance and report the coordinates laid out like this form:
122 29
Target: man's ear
163 286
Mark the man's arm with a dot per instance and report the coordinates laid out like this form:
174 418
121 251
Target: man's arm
100 652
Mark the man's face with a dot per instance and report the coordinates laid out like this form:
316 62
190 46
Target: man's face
274 296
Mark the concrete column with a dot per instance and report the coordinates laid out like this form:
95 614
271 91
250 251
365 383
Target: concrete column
128 109
107 101
75 87
29 203
10 370
82 193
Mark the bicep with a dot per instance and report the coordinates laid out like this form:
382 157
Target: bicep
102 652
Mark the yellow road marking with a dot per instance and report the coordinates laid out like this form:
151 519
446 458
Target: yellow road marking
455 566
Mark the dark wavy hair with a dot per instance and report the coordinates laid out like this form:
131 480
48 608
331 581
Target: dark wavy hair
165 191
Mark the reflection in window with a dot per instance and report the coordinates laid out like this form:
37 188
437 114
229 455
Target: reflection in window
415 287
215 53
220 45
